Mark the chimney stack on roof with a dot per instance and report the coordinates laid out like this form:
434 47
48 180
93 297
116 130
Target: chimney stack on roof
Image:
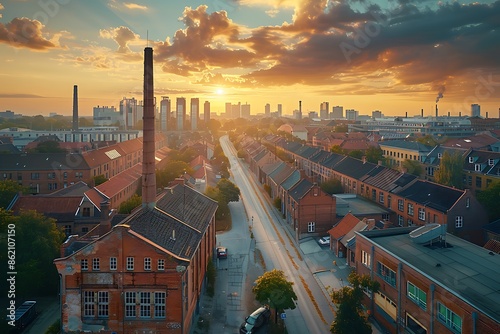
148 150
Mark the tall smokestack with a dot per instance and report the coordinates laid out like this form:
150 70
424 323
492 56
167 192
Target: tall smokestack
436 110
459 114
486 114
148 148
422 112
75 108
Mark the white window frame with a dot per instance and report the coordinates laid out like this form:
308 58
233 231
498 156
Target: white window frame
414 293
103 304
84 263
477 167
410 209
130 301
401 205
366 258
88 303
311 226
130 263
447 317
401 220
161 264
147 264
459 221
421 214
113 263
145 304
96 264
160 305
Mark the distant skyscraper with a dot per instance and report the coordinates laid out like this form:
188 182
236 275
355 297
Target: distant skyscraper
195 113
206 113
181 113
298 115
228 109
376 114
105 116
267 109
475 110
280 110
337 112
324 109
165 110
236 110
245 110
128 111
351 114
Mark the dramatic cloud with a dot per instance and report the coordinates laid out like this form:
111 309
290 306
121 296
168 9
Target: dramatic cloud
20 96
25 33
123 36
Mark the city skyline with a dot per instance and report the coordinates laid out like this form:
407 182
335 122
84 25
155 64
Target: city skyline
394 57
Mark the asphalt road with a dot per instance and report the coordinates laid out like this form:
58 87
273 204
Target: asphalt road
313 313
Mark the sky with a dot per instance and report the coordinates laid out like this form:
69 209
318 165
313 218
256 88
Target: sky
396 56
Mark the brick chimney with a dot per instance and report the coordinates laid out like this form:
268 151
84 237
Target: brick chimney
148 149
75 108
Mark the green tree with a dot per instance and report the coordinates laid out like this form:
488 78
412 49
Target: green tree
48 146
356 154
8 189
37 245
99 179
272 288
413 167
349 316
341 128
130 204
223 209
337 149
374 155
172 169
228 191
332 186
427 140
489 199
450 170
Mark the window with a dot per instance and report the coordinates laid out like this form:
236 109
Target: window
67 230
161 264
85 229
440 155
410 222
147 263
386 273
416 295
401 220
130 304
51 176
374 195
421 214
467 202
389 201
366 258
410 209
471 159
459 221
78 175
145 304
65 175
103 304
84 264
310 227
381 197
95 264
35 176
130 263
491 162
85 212
112 263
400 205
477 167
449 318
479 182
160 298
88 304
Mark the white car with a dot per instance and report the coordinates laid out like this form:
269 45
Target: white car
324 241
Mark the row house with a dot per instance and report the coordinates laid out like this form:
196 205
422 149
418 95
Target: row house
315 163
481 168
349 171
309 210
276 177
285 187
145 274
435 283
397 151
303 156
327 165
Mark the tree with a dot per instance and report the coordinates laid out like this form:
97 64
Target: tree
99 179
332 186
8 189
272 288
427 140
413 167
228 191
49 146
130 204
350 316
172 169
37 244
450 170
337 149
374 155
357 154
489 199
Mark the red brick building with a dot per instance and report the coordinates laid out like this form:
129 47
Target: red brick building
445 286
146 273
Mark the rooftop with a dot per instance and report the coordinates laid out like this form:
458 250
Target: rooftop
358 206
468 271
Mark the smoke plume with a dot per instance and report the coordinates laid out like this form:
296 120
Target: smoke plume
440 93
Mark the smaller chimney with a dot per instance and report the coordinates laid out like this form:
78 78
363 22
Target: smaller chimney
486 114
75 108
406 114
448 114
422 113
459 114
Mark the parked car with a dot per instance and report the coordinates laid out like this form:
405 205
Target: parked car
324 241
221 252
256 320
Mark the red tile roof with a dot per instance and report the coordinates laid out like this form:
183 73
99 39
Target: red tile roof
48 205
493 245
120 181
343 226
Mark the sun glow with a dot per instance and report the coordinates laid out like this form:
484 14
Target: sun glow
219 91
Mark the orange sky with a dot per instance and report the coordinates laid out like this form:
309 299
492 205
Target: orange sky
361 55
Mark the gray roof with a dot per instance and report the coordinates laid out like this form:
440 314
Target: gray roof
268 168
320 156
292 180
281 173
354 168
357 205
466 270
300 189
407 145
332 160
387 179
433 195
42 161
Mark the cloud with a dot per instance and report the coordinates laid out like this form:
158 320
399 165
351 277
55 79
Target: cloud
1 8
123 36
20 96
272 12
130 5
25 33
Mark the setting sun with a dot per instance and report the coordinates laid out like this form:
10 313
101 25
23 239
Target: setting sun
219 91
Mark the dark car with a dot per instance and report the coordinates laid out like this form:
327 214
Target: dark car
221 252
255 320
